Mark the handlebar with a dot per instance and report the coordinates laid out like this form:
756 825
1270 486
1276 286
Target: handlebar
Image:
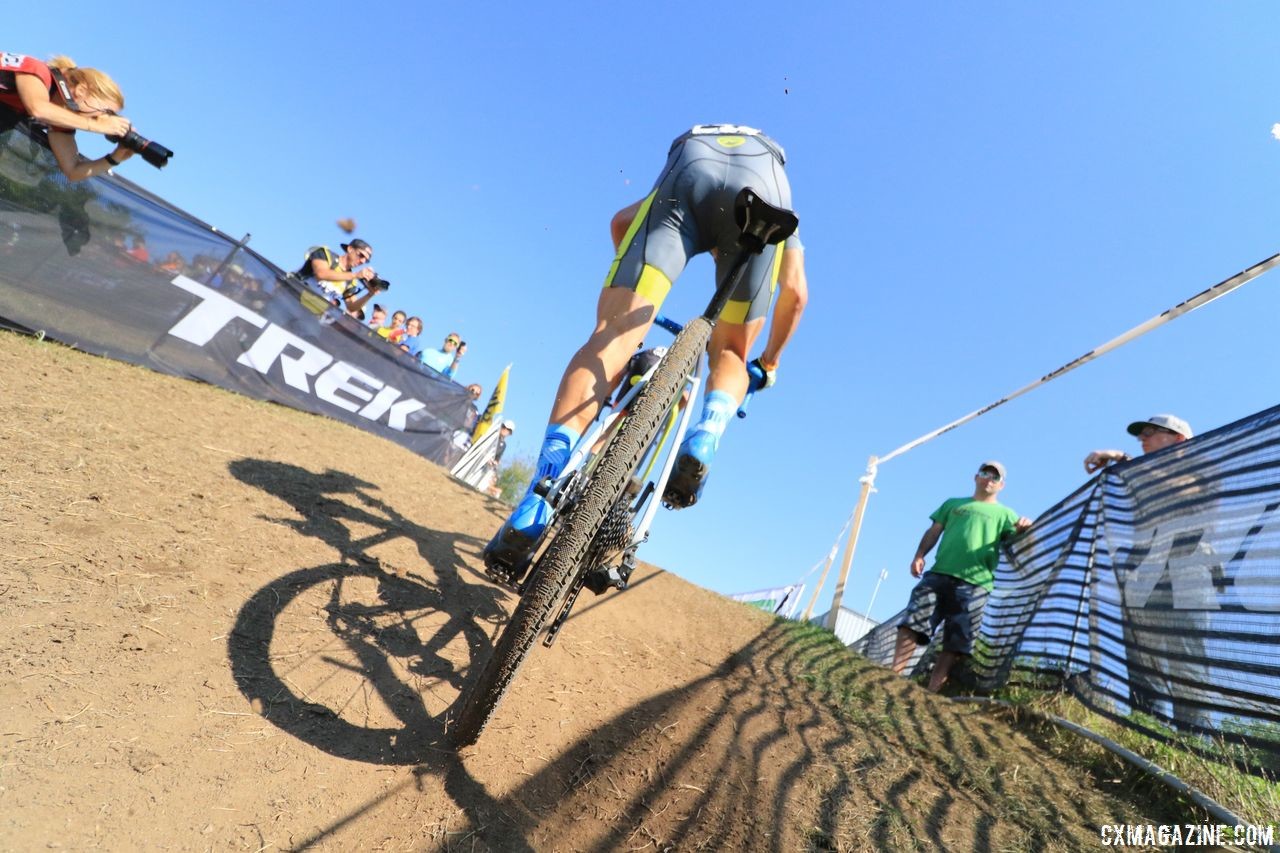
670 325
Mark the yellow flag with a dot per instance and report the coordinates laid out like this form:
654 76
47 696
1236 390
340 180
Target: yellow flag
494 409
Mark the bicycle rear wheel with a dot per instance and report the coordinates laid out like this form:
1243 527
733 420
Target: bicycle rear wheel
575 540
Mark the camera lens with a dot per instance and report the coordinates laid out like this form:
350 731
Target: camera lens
153 152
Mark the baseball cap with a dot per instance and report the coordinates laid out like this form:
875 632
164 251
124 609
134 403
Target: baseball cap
509 424
356 244
995 466
1173 423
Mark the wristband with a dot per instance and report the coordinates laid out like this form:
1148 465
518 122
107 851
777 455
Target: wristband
113 161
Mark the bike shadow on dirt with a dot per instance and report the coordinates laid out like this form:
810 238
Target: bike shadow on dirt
346 655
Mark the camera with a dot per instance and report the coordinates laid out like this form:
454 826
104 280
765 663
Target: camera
378 283
153 152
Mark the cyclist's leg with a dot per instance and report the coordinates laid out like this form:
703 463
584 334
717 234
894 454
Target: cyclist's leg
651 254
739 325
623 318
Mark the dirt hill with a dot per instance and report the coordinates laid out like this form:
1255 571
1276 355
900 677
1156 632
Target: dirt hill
225 625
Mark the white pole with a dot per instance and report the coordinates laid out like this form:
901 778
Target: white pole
831 558
884 573
868 481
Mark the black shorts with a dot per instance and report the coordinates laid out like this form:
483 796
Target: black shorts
955 604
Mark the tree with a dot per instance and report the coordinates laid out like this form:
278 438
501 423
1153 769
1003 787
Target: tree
514 478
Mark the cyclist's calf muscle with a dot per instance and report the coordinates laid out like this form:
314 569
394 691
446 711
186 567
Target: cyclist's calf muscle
623 318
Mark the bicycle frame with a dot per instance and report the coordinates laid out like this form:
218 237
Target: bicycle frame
665 445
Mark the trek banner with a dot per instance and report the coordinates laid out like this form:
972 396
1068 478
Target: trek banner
104 266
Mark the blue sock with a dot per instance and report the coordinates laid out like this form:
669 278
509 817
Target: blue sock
717 408
556 447
533 512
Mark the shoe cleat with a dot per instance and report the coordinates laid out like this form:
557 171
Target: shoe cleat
509 553
689 476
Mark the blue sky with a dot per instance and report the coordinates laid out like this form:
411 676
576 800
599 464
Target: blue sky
985 193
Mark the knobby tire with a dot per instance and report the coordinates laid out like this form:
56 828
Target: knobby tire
562 560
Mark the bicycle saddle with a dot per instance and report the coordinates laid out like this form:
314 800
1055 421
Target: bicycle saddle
762 224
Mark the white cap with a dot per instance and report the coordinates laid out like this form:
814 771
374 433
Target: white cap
509 424
1173 423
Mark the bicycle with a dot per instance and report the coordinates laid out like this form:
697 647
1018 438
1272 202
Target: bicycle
594 534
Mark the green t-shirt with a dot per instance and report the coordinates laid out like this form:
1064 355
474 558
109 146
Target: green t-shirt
971 532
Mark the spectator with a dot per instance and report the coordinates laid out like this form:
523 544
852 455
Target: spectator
1167 580
66 99
445 360
491 477
173 263
473 414
411 342
954 592
504 432
1155 433
378 318
394 332
336 275
139 251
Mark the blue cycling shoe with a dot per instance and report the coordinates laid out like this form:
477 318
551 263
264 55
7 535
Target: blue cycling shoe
510 551
689 476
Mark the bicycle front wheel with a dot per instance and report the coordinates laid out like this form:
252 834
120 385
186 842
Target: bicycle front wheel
560 563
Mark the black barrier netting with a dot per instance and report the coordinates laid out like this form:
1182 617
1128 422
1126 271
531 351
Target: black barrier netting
106 267
1152 594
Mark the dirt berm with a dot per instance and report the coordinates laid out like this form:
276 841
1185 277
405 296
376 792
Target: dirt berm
225 625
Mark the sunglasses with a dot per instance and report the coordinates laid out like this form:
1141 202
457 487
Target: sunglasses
1150 430
989 475
452 341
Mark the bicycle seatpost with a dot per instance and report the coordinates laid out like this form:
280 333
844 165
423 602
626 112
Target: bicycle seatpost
761 225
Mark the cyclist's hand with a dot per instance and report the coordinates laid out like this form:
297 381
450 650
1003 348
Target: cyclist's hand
758 378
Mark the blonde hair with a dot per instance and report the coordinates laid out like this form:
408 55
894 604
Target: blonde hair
98 84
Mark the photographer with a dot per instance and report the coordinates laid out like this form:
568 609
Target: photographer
337 276
30 88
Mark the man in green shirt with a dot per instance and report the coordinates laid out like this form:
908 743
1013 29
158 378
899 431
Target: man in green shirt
954 592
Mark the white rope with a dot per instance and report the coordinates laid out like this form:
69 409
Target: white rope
1222 288
835 547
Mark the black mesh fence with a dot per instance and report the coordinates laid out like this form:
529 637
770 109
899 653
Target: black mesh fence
1153 595
104 266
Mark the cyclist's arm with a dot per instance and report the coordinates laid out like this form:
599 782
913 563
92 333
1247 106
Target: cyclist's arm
793 295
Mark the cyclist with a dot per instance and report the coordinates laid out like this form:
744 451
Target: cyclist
689 211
